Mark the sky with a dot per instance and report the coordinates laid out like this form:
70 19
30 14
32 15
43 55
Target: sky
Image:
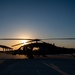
38 19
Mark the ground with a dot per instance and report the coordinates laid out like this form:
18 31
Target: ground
39 66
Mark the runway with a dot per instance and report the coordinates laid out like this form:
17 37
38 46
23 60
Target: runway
44 66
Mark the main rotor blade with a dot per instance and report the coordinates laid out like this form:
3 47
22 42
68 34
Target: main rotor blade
33 40
14 39
59 39
17 44
37 39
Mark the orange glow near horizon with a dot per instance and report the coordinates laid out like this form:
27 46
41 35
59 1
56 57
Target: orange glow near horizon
21 41
24 41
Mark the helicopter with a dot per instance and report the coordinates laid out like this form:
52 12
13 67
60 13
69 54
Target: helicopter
37 47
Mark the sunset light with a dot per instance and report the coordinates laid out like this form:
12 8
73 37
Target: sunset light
37 37
24 41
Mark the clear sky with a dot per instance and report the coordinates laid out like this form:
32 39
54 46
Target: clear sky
38 19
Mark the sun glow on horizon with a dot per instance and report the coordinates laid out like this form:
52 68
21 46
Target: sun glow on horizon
24 41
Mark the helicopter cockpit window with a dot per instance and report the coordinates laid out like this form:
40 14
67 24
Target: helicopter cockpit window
35 48
21 48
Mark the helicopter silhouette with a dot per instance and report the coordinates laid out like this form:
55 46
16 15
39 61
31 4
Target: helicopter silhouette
37 47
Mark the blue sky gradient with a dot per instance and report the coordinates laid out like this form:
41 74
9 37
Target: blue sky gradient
37 19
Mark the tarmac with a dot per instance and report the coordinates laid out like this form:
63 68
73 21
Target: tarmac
38 66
